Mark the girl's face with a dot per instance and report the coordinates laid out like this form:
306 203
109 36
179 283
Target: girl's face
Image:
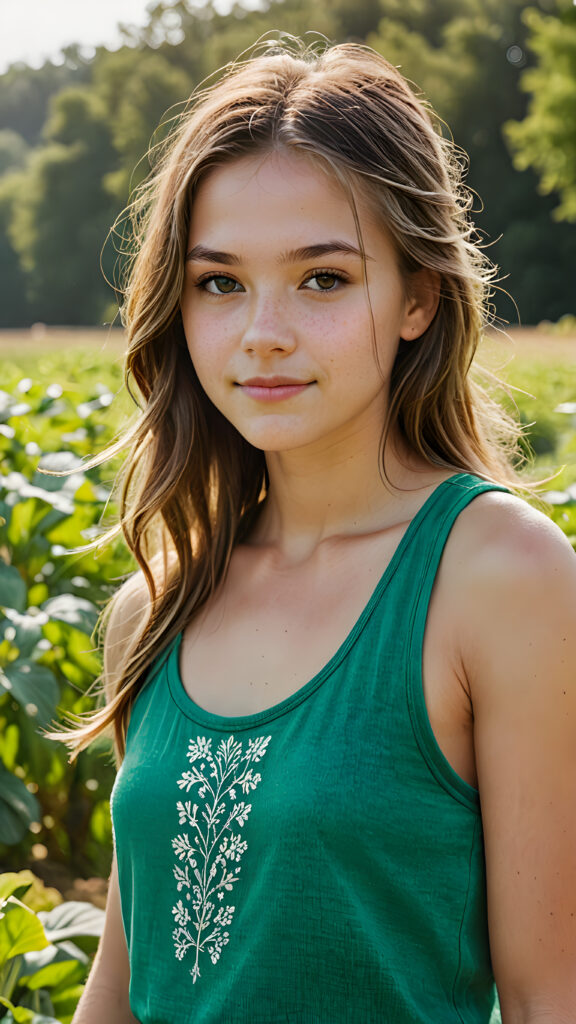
275 309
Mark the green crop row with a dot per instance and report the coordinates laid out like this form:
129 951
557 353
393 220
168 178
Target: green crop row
51 594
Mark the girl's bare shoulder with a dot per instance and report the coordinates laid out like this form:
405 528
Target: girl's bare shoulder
509 579
127 618
500 539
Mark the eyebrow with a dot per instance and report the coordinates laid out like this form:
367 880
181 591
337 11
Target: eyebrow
302 255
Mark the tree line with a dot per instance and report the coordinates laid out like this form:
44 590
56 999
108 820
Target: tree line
73 136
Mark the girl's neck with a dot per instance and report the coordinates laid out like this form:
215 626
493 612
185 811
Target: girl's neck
339 492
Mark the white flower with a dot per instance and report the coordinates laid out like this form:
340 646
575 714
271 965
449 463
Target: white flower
236 848
183 848
241 812
224 916
199 749
216 949
181 914
250 781
186 781
257 748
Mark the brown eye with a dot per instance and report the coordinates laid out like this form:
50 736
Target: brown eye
219 284
324 281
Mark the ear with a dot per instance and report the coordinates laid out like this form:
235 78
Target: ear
423 296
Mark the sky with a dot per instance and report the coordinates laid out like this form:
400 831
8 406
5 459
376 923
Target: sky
34 30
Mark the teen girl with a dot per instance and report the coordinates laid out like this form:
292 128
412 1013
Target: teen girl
342 684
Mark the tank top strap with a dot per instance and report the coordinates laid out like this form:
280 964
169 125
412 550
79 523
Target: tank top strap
419 573
431 535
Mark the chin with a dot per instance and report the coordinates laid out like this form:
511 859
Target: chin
277 440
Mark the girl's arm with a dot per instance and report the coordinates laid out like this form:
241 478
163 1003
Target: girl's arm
518 627
105 997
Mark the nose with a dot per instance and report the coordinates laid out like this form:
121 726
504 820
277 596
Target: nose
269 328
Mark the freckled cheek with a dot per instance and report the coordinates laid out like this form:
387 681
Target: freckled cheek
331 330
208 342
343 336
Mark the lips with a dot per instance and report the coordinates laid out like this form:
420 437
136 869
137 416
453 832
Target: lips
273 389
273 382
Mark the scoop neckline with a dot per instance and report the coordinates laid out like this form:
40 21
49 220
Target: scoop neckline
227 723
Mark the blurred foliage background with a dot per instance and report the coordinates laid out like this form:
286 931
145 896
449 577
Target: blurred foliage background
502 73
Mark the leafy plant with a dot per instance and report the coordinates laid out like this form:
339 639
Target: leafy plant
50 598
44 953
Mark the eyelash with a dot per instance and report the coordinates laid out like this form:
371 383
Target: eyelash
336 274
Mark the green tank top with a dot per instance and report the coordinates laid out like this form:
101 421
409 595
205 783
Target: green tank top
318 862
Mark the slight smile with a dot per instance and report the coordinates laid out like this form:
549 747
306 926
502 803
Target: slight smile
273 389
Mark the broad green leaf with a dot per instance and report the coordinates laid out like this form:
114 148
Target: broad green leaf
25 520
12 588
40 1002
100 823
83 652
21 930
9 743
71 672
69 531
38 593
12 884
17 1014
34 893
61 973
18 808
65 1002
76 611
72 919
34 687
34 1018
63 953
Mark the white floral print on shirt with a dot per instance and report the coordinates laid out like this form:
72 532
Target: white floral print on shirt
210 846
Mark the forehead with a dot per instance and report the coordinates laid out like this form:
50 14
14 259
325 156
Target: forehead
283 188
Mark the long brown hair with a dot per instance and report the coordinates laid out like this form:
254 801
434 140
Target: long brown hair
192 485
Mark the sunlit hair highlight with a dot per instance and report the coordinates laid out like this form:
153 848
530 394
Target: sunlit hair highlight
191 486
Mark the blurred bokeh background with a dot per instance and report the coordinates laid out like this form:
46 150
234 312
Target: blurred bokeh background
74 128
